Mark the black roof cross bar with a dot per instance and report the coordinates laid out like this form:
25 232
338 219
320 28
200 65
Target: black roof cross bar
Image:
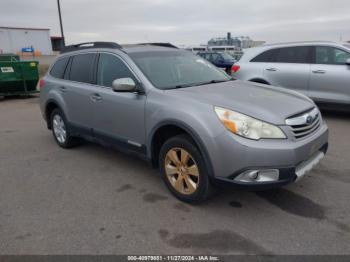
160 44
88 45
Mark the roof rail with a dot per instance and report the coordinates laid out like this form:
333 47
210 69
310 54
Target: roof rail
160 44
88 45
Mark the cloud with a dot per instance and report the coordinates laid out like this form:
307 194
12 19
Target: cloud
183 21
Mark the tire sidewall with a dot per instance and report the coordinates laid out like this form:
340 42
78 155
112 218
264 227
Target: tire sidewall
59 112
186 143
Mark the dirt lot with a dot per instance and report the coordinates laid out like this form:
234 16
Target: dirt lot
92 200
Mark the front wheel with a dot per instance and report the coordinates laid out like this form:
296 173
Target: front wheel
183 170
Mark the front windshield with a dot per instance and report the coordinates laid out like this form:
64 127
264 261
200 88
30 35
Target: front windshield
174 69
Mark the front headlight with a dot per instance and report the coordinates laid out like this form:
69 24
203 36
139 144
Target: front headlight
247 126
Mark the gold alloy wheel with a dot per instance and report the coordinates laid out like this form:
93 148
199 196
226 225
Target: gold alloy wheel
181 171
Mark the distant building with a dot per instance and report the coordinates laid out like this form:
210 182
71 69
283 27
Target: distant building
21 40
241 42
257 43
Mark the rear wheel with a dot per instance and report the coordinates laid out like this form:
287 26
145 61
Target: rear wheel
60 130
183 170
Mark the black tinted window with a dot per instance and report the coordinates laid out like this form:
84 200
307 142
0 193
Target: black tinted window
81 68
267 56
59 67
299 54
331 56
110 68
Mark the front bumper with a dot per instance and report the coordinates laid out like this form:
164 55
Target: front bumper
285 175
291 159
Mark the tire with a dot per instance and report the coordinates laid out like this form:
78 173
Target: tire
61 131
180 178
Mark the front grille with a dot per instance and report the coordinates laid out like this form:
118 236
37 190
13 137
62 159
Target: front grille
305 124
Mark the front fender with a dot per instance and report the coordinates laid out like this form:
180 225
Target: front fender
194 135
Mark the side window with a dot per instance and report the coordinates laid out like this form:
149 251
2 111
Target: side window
299 54
59 67
266 57
330 55
81 68
110 68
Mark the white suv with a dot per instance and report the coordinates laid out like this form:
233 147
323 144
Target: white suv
320 70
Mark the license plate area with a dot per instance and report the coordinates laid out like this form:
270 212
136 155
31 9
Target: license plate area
303 168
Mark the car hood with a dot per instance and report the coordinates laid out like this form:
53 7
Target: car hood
267 103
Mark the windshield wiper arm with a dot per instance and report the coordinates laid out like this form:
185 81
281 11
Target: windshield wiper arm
201 83
214 82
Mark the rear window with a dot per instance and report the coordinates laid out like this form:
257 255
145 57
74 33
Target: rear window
82 68
59 67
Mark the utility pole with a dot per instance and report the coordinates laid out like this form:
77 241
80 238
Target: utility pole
61 25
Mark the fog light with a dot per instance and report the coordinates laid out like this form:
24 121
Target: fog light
256 176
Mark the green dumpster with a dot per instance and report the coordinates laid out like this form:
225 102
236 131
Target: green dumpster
9 57
17 77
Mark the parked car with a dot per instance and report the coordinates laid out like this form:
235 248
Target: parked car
220 59
187 117
234 51
320 70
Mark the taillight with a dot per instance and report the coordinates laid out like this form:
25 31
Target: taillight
41 83
235 68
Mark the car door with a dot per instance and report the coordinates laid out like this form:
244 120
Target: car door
77 90
330 76
289 67
118 116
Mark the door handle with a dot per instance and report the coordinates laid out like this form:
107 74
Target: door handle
96 97
319 71
271 69
63 89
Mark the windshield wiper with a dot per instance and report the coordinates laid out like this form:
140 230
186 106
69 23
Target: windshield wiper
201 83
214 82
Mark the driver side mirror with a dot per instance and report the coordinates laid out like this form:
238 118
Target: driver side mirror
347 62
124 85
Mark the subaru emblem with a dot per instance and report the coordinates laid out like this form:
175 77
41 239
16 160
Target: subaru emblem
308 119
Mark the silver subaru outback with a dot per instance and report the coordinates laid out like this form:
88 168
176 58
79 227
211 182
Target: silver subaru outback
191 120
320 70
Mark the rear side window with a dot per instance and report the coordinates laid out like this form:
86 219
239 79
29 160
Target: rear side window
59 67
81 69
